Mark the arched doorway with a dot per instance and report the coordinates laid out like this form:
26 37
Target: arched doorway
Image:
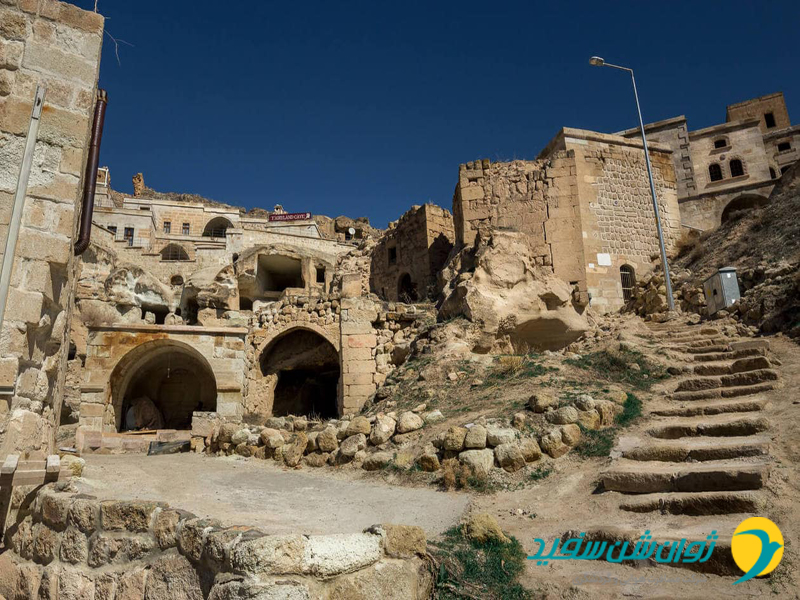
741 203
163 381
628 278
217 227
304 369
406 289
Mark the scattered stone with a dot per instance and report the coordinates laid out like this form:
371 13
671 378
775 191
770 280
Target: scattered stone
428 462
377 461
509 457
590 419
434 416
327 439
353 444
500 435
316 459
454 439
530 450
240 437
408 422
479 461
563 415
359 424
553 444
293 451
452 376
419 408
541 401
382 430
570 434
484 528
519 420
476 437
271 438
584 402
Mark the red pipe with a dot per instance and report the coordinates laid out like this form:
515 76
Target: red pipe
90 175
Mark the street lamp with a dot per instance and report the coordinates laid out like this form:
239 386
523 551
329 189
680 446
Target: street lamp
596 61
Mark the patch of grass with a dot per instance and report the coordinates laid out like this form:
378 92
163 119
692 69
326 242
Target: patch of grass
516 367
596 442
540 473
631 410
616 367
470 569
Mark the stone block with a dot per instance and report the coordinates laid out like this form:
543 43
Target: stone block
359 366
131 516
362 341
40 56
24 306
172 577
258 554
13 26
331 555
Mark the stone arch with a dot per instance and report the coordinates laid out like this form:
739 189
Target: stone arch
173 251
217 227
173 375
300 369
743 202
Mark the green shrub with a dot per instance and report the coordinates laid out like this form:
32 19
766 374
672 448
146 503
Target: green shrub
615 366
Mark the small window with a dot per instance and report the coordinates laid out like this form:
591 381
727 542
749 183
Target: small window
185 229
393 256
167 226
715 172
176 280
113 229
628 277
320 274
144 208
772 173
737 168
128 234
722 143
784 146
769 119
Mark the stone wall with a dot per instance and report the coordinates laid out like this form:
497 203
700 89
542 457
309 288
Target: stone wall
756 108
56 45
66 545
407 258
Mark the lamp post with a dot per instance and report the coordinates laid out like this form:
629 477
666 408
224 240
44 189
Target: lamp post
596 61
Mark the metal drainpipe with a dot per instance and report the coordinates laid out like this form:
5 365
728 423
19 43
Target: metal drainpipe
90 175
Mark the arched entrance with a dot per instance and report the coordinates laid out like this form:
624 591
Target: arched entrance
217 227
163 381
406 289
741 203
303 369
628 278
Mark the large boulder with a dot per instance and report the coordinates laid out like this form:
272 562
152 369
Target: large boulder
454 439
351 445
359 424
327 439
510 457
479 461
408 422
475 438
382 430
503 285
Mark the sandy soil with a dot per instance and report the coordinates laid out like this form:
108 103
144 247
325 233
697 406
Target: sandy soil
248 492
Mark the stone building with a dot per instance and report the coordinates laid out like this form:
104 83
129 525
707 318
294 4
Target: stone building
408 257
585 206
731 166
56 46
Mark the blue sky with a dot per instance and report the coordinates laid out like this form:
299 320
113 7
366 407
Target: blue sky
365 108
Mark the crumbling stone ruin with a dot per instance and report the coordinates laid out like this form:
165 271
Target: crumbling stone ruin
269 334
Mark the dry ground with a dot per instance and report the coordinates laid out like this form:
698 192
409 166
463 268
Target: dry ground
248 492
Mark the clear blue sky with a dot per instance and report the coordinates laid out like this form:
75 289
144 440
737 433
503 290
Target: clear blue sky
365 108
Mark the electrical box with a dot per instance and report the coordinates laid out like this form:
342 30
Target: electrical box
721 289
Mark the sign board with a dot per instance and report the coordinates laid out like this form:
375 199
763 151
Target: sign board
290 217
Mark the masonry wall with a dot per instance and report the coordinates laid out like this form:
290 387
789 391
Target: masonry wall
616 213
758 107
417 245
56 45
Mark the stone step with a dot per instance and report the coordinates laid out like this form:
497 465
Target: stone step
745 378
647 477
741 365
731 392
696 449
697 503
694 335
732 355
697 530
750 344
699 408
705 349
724 425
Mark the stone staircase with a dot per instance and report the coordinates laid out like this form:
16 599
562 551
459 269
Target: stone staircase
700 459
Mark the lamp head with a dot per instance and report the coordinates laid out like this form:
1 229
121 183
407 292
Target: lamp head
596 61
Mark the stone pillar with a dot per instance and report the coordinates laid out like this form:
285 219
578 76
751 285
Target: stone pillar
357 354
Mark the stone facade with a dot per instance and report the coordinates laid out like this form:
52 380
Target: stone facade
585 206
413 250
731 166
57 46
67 545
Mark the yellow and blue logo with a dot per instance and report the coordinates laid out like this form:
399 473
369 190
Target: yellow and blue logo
757 547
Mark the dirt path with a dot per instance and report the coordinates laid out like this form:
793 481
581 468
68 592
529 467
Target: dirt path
248 492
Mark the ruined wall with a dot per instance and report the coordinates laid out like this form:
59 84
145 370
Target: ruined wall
417 246
67 545
757 108
58 46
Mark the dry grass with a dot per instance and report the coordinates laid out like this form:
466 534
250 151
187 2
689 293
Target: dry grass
510 364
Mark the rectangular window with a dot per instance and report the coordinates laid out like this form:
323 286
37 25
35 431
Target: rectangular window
185 229
784 146
128 233
113 229
320 274
720 143
769 119
167 226
392 256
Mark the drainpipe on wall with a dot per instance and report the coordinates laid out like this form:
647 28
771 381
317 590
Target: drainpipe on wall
90 175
